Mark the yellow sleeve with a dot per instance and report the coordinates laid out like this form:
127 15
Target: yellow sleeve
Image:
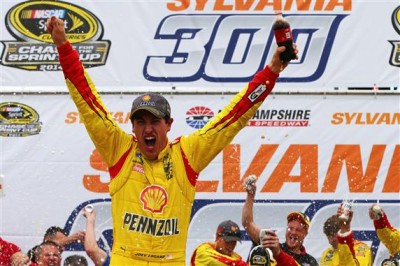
110 140
203 145
389 235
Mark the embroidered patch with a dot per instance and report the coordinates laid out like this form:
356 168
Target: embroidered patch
257 92
138 168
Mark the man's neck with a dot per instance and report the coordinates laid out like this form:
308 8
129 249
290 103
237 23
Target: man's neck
296 250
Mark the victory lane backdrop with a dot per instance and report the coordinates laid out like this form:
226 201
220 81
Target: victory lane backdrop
309 151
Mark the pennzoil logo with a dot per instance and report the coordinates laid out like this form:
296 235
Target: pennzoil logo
154 198
395 55
18 120
34 49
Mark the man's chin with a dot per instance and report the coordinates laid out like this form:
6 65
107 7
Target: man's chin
149 152
292 243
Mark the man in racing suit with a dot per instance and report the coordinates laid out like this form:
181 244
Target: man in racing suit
221 252
344 250
153 180
387 234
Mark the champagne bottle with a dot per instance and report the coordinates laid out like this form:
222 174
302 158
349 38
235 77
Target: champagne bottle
346 207
284 37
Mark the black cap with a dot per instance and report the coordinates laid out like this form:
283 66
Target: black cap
152 102
390 262
229 231
260 256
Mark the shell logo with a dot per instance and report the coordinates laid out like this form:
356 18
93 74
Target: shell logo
146 98
154 198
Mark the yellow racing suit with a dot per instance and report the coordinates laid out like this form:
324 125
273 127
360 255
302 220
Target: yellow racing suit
350 252
207 255
152 201
388 235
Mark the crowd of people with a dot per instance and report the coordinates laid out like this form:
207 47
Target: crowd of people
267 250
266 247
344 249
153 180
55 239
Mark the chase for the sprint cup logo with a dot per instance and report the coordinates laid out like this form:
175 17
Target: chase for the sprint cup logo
18 120
33 48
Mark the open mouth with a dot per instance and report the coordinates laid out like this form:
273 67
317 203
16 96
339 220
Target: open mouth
150 141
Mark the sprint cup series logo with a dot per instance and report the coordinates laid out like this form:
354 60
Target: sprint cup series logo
27 23
18 120
395 55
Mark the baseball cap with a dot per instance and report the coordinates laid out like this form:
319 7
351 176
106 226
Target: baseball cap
299 216
152 102
260 256
229 231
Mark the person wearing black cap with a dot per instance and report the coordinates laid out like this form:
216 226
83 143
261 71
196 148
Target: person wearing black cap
220 252
153 180
292 251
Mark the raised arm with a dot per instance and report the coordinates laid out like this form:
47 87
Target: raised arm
351 251
56 29
96 254
252 229
387 234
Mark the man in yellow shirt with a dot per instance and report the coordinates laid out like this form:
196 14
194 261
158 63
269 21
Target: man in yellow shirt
344 250
153 179
221 252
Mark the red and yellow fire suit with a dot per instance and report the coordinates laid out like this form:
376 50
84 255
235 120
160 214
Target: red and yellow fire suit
152 200
349 252
388 235
206 254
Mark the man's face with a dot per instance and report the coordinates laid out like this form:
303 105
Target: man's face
49 256
225 247
151 133
332 239
295 234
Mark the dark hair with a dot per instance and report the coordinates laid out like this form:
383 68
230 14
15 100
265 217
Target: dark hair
52 231
32 254
332 225
76 260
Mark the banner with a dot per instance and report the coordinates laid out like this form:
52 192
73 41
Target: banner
202 46
309 151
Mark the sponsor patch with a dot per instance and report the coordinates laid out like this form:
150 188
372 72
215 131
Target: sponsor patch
138 168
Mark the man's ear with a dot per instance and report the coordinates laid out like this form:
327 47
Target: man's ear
169 123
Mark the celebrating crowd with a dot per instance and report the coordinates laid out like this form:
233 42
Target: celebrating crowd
267 249
153 181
